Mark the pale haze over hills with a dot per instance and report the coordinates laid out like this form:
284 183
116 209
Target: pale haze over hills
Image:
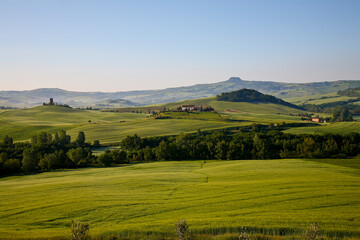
136 98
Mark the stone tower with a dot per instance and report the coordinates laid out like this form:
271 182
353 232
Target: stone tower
51 101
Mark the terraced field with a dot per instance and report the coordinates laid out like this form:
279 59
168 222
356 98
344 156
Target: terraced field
214 197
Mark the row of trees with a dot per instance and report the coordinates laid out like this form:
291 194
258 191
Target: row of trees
226 145
46 152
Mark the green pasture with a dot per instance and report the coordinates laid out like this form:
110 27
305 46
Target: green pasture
220 106
111 127
330 100
272 196
113 133
192 115
320 99
23 123
353 162
244 107
332 128
101 150
262 118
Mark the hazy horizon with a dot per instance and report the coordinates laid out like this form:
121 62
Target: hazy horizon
114 46
171 87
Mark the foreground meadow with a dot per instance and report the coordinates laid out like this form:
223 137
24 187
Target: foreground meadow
271 196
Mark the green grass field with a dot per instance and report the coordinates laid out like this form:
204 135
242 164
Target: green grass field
24 123
333 128
111 127
113 133
213 197
320 99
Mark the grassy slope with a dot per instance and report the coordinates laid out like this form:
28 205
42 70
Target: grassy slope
24 123
112 133
109 128
267 194
320 99
221 106
334 128
353 163
243 113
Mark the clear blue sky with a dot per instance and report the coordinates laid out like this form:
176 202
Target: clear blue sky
126 45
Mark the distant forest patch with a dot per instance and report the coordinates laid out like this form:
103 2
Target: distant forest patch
250 95
351 92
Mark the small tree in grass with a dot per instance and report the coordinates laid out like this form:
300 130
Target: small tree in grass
312 232
181 229
79 230
244 235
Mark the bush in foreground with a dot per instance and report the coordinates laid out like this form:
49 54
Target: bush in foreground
79 230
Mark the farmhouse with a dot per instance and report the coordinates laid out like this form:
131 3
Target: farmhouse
187 107
316 119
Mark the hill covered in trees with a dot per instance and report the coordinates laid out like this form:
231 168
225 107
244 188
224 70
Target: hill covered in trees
251 95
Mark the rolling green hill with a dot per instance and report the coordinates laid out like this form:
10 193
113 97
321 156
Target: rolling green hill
113 133
24 123
144 201
220 106
111 126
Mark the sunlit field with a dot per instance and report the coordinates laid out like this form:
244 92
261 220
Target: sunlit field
270 196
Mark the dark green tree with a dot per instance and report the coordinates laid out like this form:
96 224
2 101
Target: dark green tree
76 155
106 158
80 140
12 165
49 162
96 144
30 160
118 156
131 143
8 141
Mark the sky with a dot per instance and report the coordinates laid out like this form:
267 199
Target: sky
134 45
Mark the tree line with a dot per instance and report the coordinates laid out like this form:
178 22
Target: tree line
226 145
46 152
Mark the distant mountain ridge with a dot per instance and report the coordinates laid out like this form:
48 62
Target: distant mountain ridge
146 97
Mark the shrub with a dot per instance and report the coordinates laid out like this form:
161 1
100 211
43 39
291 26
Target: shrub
244 235
79 230
313 232
181 229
